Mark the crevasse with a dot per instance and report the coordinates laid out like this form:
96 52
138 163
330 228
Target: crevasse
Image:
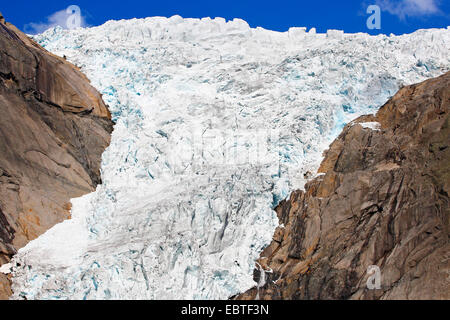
216 123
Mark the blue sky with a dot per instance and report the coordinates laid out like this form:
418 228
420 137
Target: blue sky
397 16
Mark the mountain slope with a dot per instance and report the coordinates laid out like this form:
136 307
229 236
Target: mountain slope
54 128
383 200
216 123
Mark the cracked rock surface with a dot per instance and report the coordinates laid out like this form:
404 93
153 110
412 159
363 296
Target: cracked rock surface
382 199
54 128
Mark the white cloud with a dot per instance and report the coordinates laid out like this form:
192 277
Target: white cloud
410 8
58 18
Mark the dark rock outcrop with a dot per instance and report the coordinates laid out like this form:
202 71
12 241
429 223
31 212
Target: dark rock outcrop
54 128
383 200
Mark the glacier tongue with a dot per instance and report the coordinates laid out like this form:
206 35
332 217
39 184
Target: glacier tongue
216 123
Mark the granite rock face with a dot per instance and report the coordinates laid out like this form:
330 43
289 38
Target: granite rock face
382 199
54 128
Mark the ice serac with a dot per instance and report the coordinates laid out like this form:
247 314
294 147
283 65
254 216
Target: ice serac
383 200
54 128
183 212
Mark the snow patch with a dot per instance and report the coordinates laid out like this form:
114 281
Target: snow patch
371 125
6 268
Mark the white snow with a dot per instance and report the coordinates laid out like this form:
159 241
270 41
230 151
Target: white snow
6 268
371 125
216 123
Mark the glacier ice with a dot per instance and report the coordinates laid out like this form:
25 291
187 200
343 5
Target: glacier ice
186 203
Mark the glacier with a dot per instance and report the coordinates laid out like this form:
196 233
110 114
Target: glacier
216 122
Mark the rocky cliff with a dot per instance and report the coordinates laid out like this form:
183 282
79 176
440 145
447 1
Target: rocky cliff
382 199
54 128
